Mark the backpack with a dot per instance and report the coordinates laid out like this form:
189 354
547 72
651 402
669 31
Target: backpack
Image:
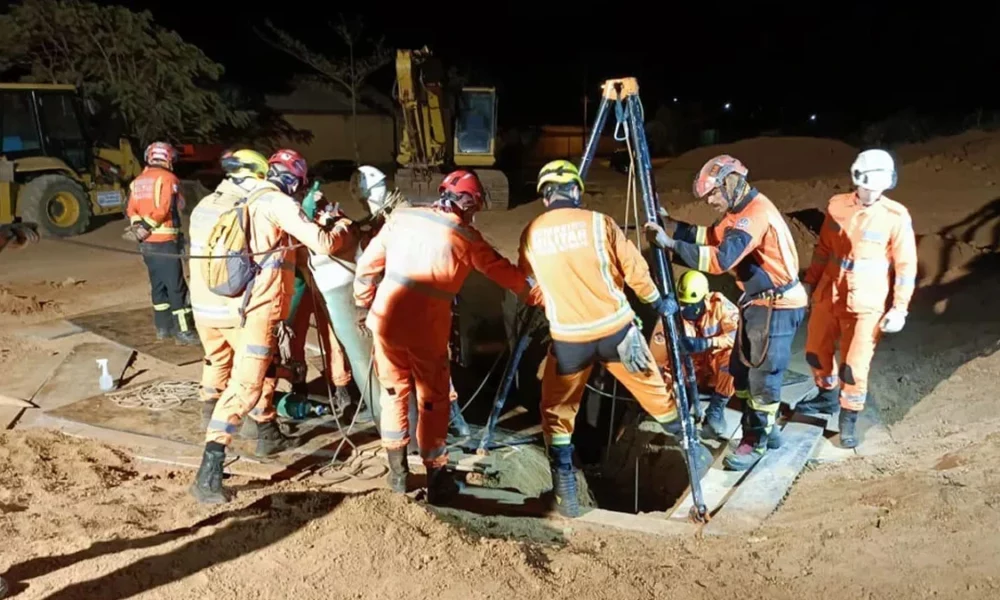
231 269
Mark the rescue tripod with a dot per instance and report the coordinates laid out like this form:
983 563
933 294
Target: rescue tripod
624 93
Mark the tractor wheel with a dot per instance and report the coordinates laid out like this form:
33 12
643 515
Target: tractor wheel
58 204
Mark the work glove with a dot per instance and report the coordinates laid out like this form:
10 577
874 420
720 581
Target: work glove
284 335
137 232
361 315
658 236
20 234
695 345
634 353
666 306
893 321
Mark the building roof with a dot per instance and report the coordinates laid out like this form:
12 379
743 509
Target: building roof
311 97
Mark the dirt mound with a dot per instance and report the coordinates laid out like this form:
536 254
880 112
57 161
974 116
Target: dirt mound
774 157
526 470
18 305
46 463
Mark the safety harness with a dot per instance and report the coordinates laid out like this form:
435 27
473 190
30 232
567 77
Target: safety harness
747 300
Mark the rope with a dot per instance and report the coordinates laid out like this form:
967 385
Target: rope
161 396
165 254
365 465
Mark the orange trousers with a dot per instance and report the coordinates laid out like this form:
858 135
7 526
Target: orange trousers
403 371
337 369
238 361
712 370
567 370
857 334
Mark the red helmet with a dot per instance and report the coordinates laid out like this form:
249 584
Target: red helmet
160 154
715 171
461 183
288 169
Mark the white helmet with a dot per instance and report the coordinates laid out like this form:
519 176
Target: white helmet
369 185
874 170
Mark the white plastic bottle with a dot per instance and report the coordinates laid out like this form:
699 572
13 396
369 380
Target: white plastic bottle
105 381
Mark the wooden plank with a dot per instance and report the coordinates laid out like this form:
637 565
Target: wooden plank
769 480
655 525
76 378
133 328
718 482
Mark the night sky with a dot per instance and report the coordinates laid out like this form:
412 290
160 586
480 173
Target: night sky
795 58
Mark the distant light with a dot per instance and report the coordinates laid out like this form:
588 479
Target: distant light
727 106
675 99
812 117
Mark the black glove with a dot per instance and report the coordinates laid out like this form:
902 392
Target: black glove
666 306
694 345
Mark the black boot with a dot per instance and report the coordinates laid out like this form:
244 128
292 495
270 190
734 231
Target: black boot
207 408
207 487
754 444
187 338
457 426
703 458
825 403
341 399
441 486
848 425
248 429
564 481
714 426
270 440
399 469
163 334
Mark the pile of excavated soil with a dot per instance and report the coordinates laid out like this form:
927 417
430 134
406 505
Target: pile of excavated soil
525 469
18 305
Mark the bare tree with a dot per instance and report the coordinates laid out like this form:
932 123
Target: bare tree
349 75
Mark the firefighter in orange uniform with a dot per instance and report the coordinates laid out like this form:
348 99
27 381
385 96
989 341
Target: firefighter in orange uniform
248 330
710 325
865 238
423 256
581 260
154 212
752 240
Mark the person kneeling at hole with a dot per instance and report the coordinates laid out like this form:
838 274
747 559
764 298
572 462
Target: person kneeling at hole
710 325
581 261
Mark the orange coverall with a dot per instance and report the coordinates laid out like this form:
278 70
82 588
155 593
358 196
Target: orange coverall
858 249
719 324
424 256
581 261
274 217
155 200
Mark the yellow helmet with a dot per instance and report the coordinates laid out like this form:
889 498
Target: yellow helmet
559 171
692 287
244 163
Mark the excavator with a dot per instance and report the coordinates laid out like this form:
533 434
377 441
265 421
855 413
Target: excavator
51 171
436 137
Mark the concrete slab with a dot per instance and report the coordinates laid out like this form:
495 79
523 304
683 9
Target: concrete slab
49 330
76 377
133 328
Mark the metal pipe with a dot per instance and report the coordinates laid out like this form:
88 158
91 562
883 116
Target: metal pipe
689 439
595 137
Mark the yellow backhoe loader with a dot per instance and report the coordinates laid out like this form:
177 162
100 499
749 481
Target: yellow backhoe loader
51 171
432 141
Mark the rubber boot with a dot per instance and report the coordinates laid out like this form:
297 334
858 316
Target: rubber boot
703 458
207 487
825 403
207 408
270 440
161 334
441 486
399 469
714 426
248 429
848 426
457 426
753 446
187 338
564 481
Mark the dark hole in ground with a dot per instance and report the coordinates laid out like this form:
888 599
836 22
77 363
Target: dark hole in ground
812 218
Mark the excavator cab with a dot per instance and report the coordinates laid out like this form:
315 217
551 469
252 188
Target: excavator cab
475 127
51 171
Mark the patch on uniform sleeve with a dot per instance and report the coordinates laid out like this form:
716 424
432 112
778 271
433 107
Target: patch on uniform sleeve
743 224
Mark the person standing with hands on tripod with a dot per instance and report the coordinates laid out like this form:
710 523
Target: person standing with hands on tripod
753 241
